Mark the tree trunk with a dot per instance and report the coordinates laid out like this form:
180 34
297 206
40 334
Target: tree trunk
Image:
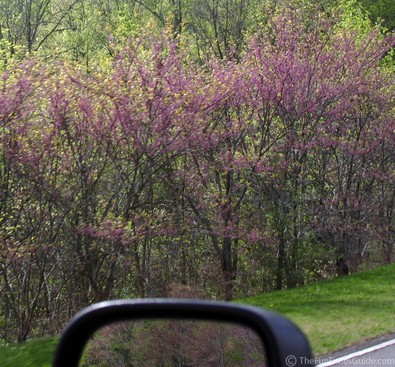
229 264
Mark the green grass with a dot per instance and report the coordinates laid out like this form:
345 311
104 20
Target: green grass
340 312
33 353
333 314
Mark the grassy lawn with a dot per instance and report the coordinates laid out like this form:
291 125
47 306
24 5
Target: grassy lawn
339 312
33 353
333 314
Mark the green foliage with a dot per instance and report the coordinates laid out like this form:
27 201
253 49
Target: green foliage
381 11
354 19
126 25
84 37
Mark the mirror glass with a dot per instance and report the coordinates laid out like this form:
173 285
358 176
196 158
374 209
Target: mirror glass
173 343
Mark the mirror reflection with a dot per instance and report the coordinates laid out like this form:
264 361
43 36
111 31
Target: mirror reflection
174 343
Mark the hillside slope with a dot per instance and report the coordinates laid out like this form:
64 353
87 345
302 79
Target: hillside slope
339 312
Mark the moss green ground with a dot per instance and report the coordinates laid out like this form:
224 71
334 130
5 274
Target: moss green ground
333 314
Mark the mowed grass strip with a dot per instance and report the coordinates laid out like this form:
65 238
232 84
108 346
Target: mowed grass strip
340 312
33 353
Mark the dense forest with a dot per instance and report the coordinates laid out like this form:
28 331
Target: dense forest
211 148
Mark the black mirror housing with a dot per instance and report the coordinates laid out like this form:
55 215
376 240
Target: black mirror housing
285 344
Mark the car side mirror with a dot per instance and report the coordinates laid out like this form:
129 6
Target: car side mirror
252 336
